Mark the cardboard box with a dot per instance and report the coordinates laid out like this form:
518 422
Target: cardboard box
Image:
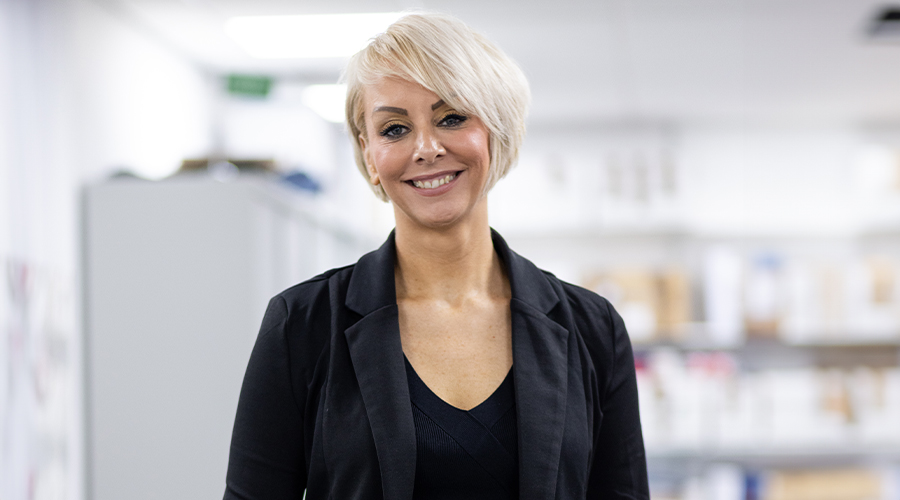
841 484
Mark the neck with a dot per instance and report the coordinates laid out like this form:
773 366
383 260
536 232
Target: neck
449 263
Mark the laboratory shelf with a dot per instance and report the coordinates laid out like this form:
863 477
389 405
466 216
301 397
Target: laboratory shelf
776 456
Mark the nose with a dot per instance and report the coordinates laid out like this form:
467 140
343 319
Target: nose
428 147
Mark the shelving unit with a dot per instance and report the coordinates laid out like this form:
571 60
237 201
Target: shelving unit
751 405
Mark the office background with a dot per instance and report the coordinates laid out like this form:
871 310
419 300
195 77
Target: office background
726 172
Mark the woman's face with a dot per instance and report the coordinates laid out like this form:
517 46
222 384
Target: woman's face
431 159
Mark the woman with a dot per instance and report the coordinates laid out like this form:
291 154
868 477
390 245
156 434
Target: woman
442 365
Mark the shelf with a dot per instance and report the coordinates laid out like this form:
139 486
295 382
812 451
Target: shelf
801 455
882 230
860 342
767 344
756 354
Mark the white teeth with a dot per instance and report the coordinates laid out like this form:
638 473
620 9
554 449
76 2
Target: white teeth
435 183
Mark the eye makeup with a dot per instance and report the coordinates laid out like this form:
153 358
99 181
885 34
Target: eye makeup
392 130
455 118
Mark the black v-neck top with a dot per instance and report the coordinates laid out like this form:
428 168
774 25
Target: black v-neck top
464 454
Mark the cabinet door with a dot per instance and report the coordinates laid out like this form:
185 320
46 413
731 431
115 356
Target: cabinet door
177 275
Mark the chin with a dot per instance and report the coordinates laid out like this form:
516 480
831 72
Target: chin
439 219
438 215
440 222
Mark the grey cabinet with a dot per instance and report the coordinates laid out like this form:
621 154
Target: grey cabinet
177 275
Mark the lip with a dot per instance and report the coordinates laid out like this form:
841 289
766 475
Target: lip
438 190
436 175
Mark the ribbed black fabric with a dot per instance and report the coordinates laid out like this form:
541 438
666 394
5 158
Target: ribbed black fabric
464 454
506 432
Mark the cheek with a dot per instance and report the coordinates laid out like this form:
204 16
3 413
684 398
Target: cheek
478 147
389 160
478 140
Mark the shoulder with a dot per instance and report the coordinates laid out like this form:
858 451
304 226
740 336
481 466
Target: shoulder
308 302
313 294
307 306
599 332
586 304
587 308
592 319
299 319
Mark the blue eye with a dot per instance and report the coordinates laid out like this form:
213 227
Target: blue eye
453 120
392 130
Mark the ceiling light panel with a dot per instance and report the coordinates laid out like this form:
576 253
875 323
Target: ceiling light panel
307 36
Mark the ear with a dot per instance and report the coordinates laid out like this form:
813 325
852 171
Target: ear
370 166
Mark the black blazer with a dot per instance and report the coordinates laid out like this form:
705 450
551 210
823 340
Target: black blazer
325 403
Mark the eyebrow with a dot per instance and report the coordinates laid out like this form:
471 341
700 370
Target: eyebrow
401 111
391 109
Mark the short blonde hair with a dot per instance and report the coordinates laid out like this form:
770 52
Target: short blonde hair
462 67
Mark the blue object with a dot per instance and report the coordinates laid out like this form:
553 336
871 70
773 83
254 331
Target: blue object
752 487
302 181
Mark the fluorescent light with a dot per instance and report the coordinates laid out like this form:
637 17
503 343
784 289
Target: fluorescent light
324 35
326 100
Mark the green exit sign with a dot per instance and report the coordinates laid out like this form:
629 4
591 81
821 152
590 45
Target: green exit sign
249 85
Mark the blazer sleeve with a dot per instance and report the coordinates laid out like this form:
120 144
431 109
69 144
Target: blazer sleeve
619 470
267 459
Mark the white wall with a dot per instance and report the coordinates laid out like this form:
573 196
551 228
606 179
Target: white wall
137 104
82 92
38 391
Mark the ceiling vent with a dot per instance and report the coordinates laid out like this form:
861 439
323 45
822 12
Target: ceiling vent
886 25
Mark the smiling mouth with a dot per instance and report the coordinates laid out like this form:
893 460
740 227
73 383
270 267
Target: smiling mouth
435 183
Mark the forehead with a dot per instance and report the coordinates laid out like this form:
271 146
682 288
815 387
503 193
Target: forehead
396 92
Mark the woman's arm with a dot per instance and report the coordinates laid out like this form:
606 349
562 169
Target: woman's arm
267 457
619 470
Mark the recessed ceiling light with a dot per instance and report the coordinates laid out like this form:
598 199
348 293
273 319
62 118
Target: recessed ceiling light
307 36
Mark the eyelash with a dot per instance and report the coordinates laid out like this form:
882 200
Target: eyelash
387 130
460 119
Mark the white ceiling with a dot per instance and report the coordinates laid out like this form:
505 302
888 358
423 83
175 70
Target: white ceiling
620 61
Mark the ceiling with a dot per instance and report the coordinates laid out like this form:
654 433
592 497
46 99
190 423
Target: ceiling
619 61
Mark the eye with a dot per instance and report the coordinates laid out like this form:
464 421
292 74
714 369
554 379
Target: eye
453 120
392 130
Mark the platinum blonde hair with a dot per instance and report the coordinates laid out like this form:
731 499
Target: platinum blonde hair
462 67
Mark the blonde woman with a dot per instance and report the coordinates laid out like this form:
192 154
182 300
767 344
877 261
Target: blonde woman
442 365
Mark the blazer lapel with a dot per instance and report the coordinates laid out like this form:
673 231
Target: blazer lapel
540 368
374 343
